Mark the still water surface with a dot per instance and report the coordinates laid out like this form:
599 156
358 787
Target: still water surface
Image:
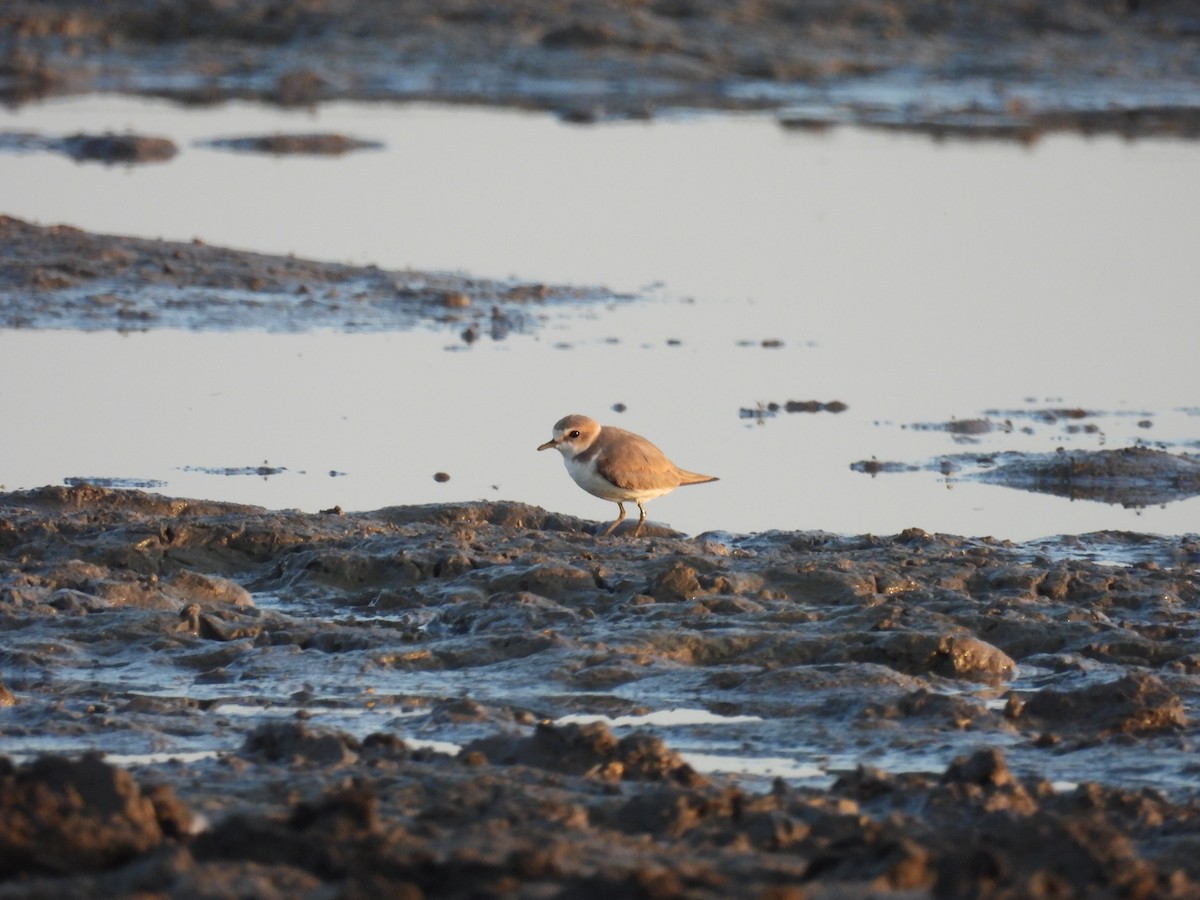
915 281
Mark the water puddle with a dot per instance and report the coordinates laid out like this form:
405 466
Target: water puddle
753 768
663 718
909 280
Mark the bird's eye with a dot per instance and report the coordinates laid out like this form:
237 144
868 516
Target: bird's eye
573 435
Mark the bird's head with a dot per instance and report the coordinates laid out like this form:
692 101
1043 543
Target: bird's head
573 434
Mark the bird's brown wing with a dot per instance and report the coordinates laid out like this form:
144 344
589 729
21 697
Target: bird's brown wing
635 464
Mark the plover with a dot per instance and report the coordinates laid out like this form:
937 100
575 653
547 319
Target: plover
617 465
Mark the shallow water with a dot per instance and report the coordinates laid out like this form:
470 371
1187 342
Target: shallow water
915 281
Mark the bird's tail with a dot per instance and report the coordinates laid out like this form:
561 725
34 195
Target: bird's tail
686 477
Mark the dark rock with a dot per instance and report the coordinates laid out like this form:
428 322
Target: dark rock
964 656
677 583
300 87
579 34
590 750
119 148
296 744
986 768
1136 703
60 815
317 144
670 812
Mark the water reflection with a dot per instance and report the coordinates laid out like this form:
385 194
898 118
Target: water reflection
913 281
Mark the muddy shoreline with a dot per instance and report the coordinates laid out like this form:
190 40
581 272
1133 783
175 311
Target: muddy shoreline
56 276
377 702
977 69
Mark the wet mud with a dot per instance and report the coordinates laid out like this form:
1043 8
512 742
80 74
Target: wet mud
980 69
763 411
265 470
1131 476
473 700
314 144
113 149
61 277
1135 476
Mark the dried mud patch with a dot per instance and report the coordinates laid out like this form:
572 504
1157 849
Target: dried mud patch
484 698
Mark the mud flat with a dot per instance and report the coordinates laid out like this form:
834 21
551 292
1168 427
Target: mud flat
1133 477
61 277
977 68
460 700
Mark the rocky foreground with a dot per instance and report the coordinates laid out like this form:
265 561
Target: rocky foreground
981 719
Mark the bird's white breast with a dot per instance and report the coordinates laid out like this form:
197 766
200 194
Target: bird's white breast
586 476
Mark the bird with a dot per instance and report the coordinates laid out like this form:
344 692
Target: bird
617 465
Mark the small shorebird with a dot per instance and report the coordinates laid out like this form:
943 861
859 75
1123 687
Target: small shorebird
617 465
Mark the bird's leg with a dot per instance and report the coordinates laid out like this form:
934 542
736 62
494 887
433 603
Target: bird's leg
621 518
641 519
